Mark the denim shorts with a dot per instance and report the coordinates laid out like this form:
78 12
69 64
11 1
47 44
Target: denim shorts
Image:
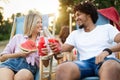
17 64
89 68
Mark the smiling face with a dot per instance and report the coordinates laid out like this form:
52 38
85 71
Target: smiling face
32 24
81 18
38 26
85 13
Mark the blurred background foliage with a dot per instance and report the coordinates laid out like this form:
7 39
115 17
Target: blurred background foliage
65 9
6 25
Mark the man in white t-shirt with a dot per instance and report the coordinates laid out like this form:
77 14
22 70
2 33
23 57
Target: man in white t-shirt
94 45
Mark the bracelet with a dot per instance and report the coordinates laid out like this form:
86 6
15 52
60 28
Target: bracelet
108 50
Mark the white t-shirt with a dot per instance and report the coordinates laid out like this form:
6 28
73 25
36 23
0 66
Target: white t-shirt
90 44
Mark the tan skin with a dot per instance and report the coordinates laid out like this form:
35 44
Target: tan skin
8 74
64 72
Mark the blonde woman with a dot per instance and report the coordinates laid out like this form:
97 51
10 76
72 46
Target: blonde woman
18 65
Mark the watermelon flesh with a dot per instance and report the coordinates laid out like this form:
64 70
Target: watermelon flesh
28 45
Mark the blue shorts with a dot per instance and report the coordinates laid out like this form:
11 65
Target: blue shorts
89 68
17 64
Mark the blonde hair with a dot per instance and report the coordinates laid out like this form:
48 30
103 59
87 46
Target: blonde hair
30 22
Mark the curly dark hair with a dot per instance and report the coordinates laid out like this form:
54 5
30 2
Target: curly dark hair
87 7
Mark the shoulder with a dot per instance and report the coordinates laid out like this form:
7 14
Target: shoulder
106 27
76 31
73 33
18 36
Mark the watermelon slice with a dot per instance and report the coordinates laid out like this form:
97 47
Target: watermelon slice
28 46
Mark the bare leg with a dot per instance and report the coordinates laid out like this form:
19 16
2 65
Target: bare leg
110 70
6 74
24 74
67 71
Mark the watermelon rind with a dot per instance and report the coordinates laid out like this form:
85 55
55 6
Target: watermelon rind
27 50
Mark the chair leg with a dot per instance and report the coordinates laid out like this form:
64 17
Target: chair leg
41 69
50 68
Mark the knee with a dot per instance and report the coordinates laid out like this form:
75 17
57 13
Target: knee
23 75
65 70
110 66
62 68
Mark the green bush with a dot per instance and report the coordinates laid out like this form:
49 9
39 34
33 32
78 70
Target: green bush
4 37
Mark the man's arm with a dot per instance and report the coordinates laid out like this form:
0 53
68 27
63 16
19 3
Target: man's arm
116 48
66 48
57 49
108 51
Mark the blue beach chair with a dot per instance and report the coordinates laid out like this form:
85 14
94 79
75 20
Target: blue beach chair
18 29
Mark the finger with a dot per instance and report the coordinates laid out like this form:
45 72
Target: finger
102 59
97 59
27 52
33 51
24 52
56 50
53 48
44 50
52 44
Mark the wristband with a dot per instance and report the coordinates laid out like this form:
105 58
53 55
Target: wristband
108 50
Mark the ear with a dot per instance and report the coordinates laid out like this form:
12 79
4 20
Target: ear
88 16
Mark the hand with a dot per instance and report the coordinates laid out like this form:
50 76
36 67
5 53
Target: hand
55 47
45 50
100 58
3 58
26 53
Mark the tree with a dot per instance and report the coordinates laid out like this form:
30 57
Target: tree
108 3
1 16
5 27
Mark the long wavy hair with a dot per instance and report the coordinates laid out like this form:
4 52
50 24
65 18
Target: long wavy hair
31 22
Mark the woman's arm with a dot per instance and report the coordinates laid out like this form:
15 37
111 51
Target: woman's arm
4 57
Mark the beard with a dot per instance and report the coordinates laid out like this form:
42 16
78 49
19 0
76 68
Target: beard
81 26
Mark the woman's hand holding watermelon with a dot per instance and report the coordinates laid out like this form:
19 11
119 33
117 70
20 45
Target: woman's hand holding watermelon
28 47
25 54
